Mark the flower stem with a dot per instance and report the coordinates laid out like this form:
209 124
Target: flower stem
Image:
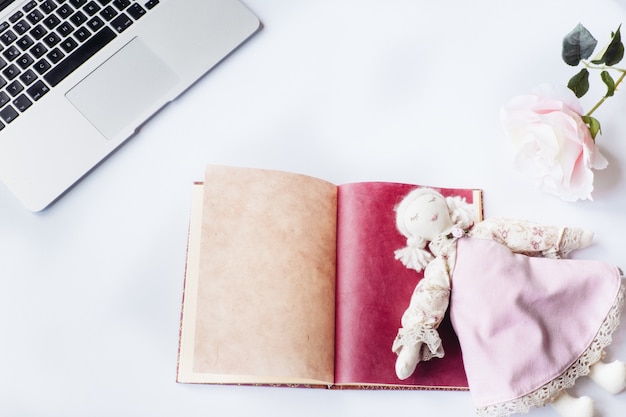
601 67
602 100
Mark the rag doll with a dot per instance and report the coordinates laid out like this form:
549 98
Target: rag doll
529 322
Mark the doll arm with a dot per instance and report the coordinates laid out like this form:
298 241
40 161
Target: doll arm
522 236
426 310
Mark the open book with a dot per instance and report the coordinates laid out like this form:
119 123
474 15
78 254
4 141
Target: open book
291 280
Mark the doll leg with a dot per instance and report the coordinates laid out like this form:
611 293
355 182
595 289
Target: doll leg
610 376
569 406
407 360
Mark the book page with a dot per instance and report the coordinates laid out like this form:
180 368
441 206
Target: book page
264 297
374 289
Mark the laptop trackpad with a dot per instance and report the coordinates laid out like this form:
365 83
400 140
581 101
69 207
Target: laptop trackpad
122 92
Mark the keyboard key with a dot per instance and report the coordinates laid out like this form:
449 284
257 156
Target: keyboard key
35 16
38 32
8 114
4 98
108 13
78 18
55 55
22 102
64 11
69 44
98 41
104 2
25 42
42 66
91 8
82 34
14 88
65 29
25 61
47 6
4 26
28 77
151 3
11 53
38 90
95 23
121 4
121 23
8 37
136 11
29 6
15 17
51 39
21 27
78 3
38 50
11 72
3 64
51 22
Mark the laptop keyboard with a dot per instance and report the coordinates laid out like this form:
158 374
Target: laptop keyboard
46 40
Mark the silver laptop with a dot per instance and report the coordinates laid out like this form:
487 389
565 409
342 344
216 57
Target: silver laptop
78 77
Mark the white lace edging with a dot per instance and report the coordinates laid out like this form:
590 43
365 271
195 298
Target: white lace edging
431 347
552 389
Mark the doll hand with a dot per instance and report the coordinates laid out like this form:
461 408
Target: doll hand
407 361
574 238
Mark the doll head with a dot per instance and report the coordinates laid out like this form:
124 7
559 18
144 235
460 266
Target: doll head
424 214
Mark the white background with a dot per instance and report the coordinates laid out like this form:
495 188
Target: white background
346 90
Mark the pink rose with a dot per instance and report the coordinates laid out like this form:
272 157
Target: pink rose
553 144
457 232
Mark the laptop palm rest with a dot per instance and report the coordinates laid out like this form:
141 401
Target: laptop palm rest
123 89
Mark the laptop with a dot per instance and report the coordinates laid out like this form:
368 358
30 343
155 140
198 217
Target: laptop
78 77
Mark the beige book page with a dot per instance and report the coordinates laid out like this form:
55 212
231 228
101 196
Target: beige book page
262 302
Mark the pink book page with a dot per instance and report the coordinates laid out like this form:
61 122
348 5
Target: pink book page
373 290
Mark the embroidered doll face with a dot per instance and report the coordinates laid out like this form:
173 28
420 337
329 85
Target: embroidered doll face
427 216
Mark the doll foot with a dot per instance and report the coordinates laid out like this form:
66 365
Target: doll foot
610 376
568 406
407 361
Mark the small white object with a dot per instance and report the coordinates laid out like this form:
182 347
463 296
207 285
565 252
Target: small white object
569 406
407 360
610 376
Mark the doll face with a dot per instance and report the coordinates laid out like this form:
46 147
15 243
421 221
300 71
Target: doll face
427 216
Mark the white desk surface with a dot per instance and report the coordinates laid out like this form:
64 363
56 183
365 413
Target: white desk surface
348 90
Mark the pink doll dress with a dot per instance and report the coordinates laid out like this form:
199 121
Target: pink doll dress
528 326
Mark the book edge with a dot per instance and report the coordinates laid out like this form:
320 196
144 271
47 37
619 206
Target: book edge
186 329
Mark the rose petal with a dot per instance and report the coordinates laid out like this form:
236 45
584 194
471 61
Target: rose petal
553 145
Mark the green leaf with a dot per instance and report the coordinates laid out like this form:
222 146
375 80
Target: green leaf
613 53
578 44
609 82
579 83
593 124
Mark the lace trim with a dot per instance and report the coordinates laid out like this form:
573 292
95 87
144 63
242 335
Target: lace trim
431 342
552 389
